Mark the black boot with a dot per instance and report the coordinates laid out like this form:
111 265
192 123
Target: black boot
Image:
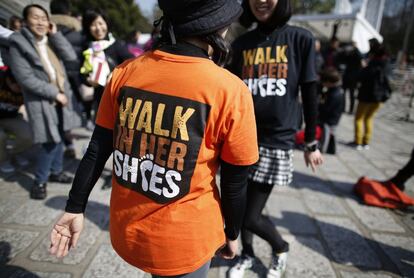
38 191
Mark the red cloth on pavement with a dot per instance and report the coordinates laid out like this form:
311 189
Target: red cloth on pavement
382 194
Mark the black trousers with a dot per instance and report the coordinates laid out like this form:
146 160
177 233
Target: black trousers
257 223
405 173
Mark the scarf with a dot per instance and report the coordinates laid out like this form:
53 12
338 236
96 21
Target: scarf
95 57
51 64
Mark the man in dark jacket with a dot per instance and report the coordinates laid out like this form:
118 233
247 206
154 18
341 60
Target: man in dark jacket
353 61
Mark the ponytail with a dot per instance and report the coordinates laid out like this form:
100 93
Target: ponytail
221 48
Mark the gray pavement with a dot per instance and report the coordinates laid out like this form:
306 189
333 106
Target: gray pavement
331 233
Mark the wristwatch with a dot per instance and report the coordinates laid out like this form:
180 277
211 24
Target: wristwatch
311 147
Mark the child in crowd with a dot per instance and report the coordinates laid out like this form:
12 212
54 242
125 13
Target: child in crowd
330 108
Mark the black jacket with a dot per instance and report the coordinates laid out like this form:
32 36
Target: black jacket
330 110
374 82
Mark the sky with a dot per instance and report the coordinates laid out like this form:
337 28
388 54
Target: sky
146 6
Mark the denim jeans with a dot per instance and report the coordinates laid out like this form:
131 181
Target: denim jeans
199 273
49 161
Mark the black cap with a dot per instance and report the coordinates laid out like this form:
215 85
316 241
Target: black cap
199 17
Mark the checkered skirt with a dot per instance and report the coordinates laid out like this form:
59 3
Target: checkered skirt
274 167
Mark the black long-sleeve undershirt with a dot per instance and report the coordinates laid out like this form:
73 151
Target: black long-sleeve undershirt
90 169
310 109
233 182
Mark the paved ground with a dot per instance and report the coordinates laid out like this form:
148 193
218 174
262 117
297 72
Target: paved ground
331 233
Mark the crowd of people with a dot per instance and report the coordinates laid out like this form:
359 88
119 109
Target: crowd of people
54 69
362 77
175 115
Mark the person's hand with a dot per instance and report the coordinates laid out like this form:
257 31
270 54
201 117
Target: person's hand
229 250
93 83
52 28
62 99
313 159
65 234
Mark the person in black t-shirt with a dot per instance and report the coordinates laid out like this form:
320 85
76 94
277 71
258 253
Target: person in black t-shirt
274 60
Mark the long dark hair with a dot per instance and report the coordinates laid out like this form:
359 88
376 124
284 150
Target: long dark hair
88 18
221 48
280 16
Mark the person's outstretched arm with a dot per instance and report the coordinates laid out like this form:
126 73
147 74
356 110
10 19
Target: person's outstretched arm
310 113
233 180
67 229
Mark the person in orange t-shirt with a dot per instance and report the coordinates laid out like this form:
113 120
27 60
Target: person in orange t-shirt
170 118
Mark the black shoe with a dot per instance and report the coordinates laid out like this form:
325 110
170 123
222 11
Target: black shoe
397 183
38 191
70 153
61 178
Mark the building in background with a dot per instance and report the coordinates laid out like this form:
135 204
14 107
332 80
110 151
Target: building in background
15 7
357 21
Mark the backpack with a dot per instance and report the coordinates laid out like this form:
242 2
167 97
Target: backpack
374 83
381 83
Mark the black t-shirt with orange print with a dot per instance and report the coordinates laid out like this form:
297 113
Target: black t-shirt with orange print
273 65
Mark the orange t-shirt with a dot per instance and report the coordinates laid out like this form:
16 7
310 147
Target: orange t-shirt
173 117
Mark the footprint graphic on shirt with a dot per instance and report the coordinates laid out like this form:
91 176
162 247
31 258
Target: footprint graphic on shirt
146 164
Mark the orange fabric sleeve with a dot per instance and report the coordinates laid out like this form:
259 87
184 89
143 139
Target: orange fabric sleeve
240 141
106 114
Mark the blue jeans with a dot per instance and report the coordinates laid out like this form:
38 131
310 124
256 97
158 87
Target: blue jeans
199 273
49 161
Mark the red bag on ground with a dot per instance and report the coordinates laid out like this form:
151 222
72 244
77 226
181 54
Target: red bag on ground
300 136
382 194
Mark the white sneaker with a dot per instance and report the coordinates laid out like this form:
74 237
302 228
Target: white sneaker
243 263
366 147
277 266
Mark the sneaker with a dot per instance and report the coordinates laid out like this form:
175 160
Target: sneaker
61 178
243 263
7 168
277 266
38 191
365 147
358 147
